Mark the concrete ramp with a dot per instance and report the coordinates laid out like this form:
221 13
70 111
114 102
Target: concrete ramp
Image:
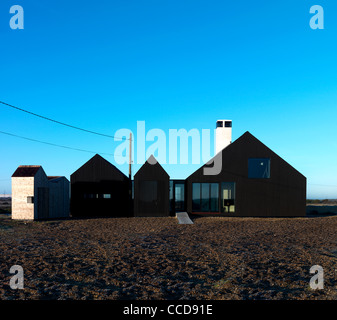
183 218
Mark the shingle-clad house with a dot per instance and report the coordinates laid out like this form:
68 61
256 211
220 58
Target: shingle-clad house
37 196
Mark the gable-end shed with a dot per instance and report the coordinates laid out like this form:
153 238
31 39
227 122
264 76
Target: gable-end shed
151 190
99 189
59 199
36 196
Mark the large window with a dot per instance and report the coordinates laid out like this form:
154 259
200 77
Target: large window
227 197
205 197
196 202
205 200
259 168
214 197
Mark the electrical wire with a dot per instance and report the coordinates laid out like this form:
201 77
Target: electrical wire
57 145
62 123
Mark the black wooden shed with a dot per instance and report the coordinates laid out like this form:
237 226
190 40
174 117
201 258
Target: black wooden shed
151 190
98 188
253 182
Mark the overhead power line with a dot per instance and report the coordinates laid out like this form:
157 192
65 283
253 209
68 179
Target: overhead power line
61 123
56 145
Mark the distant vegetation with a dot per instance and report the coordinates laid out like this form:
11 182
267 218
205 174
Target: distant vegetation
325 201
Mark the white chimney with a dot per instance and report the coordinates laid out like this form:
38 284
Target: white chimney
223 134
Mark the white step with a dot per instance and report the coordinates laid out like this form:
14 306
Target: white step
183 218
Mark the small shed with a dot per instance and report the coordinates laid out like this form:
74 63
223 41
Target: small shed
99 189
151 190
37 196
59 197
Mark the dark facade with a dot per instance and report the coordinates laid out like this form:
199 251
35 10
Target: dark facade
98 188
253 182
151 190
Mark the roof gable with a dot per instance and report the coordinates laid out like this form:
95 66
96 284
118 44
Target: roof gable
152 169
56 178
235 155
98 169
26 171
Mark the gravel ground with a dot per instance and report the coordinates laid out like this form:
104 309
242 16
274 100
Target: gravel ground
155 258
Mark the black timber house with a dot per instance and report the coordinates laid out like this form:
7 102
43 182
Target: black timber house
253 182
151 190
98 188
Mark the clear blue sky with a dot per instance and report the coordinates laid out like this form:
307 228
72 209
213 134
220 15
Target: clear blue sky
174 64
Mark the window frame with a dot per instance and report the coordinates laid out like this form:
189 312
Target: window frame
200 205
30 199
252 174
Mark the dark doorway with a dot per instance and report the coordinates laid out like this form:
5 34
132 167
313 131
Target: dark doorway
179 192
177 196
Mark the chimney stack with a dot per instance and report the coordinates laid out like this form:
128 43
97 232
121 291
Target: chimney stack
223 134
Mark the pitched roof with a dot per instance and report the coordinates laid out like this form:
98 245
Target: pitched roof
241 144
53 177
97 169
26 171
151 168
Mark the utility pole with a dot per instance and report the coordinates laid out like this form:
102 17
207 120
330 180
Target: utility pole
130 156
130 206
